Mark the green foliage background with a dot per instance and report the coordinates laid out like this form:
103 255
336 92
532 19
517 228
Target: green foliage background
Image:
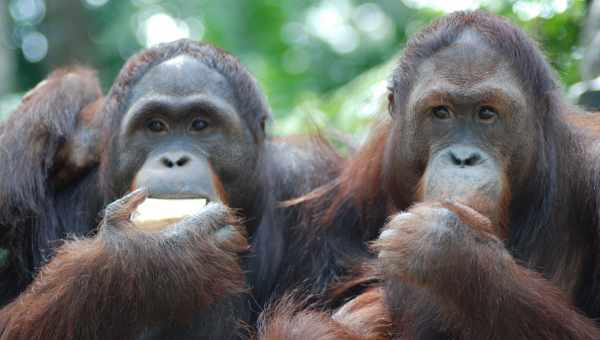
258 32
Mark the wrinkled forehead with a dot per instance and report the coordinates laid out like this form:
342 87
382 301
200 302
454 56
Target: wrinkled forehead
183 76
468 66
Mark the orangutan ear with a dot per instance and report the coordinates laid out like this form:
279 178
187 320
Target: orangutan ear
391 103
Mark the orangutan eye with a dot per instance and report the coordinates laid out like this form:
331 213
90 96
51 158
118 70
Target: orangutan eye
156 126
441 112
487 114
198 125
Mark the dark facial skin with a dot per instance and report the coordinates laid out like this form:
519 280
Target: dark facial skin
182 136
465 116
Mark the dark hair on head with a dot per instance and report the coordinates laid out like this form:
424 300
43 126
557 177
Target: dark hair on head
250 101
509 41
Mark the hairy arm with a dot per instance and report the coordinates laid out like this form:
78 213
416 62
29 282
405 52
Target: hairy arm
470 284
47 143
362 318
124 281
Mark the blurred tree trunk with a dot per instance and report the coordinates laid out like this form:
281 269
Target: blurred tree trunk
67 28
7 60
591 41
590 66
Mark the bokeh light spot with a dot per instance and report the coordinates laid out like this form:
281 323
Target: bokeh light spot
162 28
34 46
96 3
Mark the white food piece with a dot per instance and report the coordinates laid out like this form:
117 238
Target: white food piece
156 214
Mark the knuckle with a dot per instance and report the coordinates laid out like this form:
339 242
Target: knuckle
403 221
217 208
117 207
388 234
226 233
113 209
214 212
212 218
232 239
443 214
403 217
